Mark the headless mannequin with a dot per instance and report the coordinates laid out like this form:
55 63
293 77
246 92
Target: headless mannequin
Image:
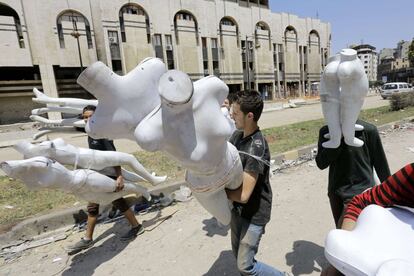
67 154
354 87
343 89
41 172
190 127
123 100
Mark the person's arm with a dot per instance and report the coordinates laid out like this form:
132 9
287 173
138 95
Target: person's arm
325 156
243 193
379 160
119 179
348 224
397 189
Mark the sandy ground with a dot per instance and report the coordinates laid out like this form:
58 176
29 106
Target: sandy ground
191 243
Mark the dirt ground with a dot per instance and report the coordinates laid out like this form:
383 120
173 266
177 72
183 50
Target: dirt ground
191 243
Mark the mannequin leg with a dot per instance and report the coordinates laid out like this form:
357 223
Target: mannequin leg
216 203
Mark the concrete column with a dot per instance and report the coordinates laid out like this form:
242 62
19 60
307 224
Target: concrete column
302 71
278 89
49 86
277 78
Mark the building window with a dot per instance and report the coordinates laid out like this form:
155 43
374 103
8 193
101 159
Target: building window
137 10
115 52
185 16
169 52
7 11
75 18
205 55
215 57
159 51
168 40
157 40
214 43
226 21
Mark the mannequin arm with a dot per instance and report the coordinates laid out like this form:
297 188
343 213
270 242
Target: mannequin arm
76 122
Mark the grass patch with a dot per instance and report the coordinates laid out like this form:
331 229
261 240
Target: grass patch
289 137
28 203
161 164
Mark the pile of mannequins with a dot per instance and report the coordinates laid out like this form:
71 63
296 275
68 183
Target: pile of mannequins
163 110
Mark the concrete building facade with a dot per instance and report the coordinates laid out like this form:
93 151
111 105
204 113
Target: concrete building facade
46 44
369 58
394 64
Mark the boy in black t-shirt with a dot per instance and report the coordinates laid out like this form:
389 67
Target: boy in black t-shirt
252 201
120 203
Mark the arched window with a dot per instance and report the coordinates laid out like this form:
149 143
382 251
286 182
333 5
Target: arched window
291 37
133 9
75 18
8 11
187 16
262 26
314 41
227 21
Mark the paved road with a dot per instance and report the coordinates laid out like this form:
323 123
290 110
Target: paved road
308 112
190 242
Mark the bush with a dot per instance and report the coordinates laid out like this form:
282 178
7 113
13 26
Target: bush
401 100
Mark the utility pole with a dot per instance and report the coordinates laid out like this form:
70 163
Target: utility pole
76 35
247 55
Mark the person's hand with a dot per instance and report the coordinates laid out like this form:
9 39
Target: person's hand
119 183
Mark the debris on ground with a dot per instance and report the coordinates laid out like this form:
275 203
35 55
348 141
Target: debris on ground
10 253
182 195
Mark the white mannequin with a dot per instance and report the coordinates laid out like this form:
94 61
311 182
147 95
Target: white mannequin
68 103
354 87
332 103
67 154
382 240
75 122
230 121
41 172
190 127
123 100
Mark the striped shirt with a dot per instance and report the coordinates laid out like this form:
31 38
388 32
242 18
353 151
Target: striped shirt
398 189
